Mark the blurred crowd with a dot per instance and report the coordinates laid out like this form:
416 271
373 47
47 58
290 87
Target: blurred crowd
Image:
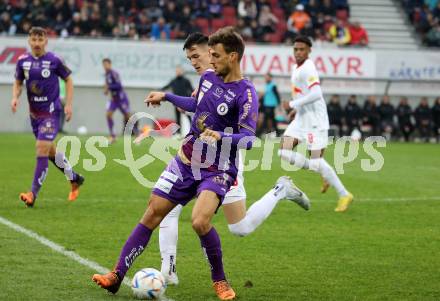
425 16
270 21
370 118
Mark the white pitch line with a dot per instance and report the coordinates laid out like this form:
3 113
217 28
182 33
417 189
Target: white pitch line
60 249
406 199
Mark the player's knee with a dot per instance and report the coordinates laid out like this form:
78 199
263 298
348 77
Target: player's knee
43 148
200 225
242 228
109 115
315 164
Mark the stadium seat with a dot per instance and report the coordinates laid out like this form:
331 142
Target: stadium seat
203 24
229 11
217 23
279 13
273 38
230 20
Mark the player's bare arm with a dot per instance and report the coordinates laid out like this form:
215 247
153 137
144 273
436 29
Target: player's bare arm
16 92
69 98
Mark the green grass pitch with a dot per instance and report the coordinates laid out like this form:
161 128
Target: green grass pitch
386 247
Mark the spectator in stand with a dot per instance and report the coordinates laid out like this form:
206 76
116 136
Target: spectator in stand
340 34
160 30
267 21
335 115
244 30
171 14
257 32
436 118
215 9
143 26
327 8
358 34
423 117
271 99
247 9
6 25
312 8
297 21
404 115
370 122
353 115
386 114
432 38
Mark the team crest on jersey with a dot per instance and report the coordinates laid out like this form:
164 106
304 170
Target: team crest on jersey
45 73
222 109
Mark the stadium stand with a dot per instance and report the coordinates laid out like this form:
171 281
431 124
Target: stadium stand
267 21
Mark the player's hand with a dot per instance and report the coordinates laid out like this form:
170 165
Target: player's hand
68 112
106 90
181 110
154 98
286 105
210 136
14 104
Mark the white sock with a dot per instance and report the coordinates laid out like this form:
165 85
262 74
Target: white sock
328 173
62 162
256 214
294 158
168 234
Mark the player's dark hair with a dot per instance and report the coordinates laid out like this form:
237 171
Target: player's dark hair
303 39
107 60
196 38
230 39
37 31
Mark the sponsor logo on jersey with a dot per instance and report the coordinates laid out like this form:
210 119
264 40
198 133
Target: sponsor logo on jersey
40 98
222 109
228 97
207 84
45 64
27 65
231 93
45 73
218 92
204 89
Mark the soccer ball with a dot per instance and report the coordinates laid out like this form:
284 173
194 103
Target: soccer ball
148 284
82 130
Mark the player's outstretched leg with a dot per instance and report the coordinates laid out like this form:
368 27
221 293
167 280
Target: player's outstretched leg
168 235
260 210
293 193
134 246
158 208
40 174
327 172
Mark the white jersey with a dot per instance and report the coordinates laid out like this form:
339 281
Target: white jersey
312 116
